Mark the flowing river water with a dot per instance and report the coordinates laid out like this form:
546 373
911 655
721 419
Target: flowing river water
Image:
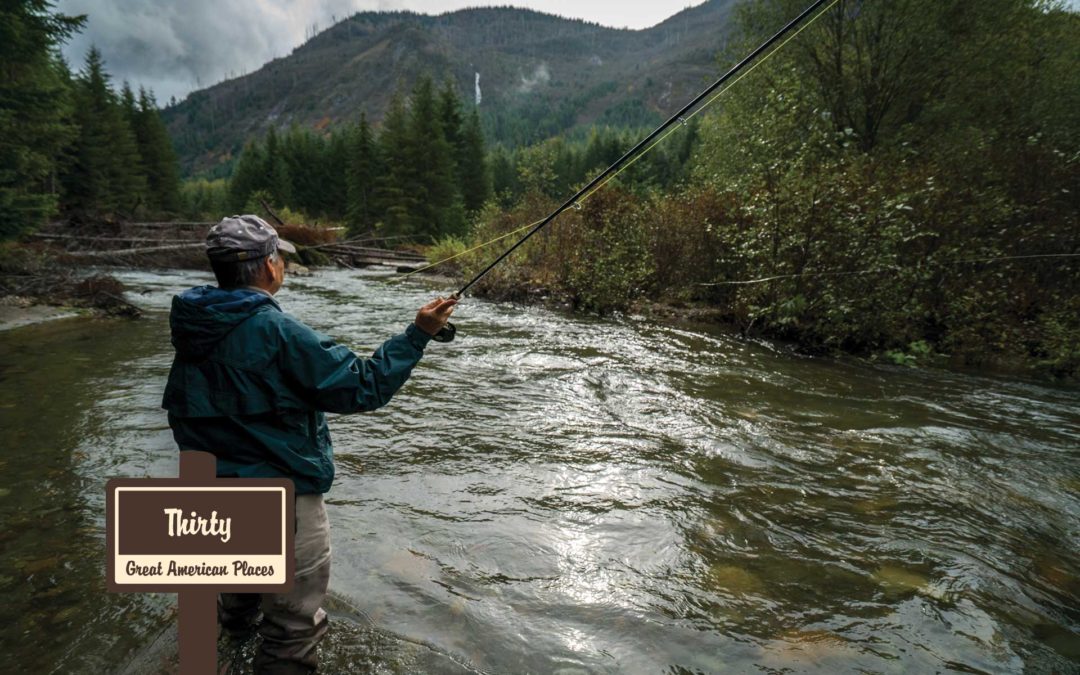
558 494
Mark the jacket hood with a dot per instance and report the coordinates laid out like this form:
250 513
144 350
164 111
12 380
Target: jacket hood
202 316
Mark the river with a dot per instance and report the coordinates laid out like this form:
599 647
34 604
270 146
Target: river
559 494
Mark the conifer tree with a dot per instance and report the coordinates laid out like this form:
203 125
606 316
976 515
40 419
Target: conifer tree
159 158
35 111
127 179
127 104
276 170
248 176
334 169
394 188
105 176
474 179
505 183
301 153
362 171
431 159
450 115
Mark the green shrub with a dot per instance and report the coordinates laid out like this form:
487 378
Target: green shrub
450 250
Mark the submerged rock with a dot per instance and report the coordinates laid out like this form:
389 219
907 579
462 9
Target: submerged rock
734 579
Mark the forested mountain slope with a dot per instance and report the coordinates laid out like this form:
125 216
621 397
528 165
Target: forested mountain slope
539 75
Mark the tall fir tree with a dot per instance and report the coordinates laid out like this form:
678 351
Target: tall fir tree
334 169
395 196
430 157
505 181
35 111
276 169
363 167
248 176
105 177
474 178
159 161
301 153
128 105
450 115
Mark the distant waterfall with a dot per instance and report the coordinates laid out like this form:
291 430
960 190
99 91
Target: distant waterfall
478 96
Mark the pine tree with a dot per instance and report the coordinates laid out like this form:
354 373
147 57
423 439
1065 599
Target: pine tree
35 111
335 172
276 170
302 155
362 171
394 188
505 183
86 184
126 177
105 176
160 165
248 175
474 178
450 117
431 159
128 105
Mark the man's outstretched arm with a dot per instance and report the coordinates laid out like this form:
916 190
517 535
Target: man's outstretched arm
334 379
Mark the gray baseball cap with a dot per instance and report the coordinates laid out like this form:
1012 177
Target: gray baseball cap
238 238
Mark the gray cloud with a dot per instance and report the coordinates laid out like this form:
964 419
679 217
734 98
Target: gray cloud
175 47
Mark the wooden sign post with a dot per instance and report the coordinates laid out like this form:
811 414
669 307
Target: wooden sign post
197 536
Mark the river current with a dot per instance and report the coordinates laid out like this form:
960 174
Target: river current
558 494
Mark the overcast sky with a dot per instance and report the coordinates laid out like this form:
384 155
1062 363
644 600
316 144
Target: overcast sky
176 46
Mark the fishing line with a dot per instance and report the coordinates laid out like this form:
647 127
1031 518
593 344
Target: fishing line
682 117
470 250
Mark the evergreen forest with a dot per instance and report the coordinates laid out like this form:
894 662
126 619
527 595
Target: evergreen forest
70 143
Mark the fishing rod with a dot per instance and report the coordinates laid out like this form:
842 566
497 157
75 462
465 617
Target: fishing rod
448 332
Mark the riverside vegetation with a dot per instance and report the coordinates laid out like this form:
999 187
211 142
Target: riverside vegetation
899 172
895 168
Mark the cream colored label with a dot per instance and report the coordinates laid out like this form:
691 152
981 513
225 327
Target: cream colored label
200 569
204 568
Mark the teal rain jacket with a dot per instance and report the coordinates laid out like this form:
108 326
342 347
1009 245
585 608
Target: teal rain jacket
250 383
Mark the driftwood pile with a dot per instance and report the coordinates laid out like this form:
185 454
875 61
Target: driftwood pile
180 244
172 244
49 266
352 255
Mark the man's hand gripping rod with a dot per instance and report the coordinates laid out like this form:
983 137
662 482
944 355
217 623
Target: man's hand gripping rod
447 332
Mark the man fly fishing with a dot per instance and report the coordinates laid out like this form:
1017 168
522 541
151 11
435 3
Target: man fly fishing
250 384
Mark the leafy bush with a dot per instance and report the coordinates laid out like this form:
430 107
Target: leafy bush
449 250
606 262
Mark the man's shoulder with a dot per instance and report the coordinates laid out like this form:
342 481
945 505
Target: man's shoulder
290 324
293 335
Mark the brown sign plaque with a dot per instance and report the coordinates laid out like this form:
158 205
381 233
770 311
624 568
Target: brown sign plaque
168 534
196 536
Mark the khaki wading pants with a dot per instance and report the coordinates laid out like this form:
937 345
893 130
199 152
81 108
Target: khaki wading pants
294 622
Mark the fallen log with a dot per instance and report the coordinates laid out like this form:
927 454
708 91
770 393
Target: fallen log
371 252
361 261
93 238
166 224
131 251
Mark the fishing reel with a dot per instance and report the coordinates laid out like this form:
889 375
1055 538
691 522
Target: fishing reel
446 333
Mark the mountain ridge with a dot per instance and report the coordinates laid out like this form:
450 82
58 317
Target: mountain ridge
540 75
